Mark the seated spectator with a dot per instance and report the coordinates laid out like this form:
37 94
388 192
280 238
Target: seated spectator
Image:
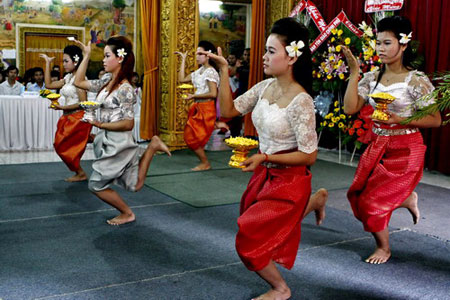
2 76
38 84
54 76
56 68
11 86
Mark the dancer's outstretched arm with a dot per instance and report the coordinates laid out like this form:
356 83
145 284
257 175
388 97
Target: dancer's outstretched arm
181 75
227 108
80 77
47 78
352 101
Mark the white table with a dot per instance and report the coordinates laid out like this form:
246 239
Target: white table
26 123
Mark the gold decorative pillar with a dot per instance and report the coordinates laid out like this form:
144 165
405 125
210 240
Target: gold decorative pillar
179 32
277 9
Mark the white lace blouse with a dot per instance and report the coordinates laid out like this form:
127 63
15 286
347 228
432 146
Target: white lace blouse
69 91
117 106
291 127
407 93
200 76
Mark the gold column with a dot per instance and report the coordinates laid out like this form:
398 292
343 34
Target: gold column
277 9
179 32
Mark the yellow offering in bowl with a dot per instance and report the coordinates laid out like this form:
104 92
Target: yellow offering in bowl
185 86
89 110
241 147
382 100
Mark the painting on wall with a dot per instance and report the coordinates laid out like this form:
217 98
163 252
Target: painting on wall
226 25
100 18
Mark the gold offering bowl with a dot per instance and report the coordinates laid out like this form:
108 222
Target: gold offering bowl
89 110
382 100
54 99
185 89
241 147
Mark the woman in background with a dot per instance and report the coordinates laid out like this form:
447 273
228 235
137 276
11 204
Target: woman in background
72 134
202 114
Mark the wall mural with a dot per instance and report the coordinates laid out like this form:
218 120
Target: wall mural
101 19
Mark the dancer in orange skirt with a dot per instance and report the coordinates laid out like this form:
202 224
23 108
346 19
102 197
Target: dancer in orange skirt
392 165
72 134
202 114
278 194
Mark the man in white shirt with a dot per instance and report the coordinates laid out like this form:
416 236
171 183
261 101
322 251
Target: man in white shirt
38 84
11 86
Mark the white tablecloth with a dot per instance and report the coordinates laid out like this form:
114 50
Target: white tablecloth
26 123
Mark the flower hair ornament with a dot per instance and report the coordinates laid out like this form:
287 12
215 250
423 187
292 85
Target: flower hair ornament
76 58
405 38
121 53
294 48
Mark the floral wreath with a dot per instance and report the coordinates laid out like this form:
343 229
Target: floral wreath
405 38
294 48
121 53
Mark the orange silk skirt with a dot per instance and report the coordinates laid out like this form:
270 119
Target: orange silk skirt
71 138
200 124
387 173
271 210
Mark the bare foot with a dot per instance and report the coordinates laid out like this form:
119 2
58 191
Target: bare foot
380 256
202 167
76 178
158 145
411 205
221 125
274 294
122 219
320 199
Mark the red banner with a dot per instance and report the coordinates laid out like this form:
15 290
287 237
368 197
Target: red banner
372 6
340 18
316 16
298 8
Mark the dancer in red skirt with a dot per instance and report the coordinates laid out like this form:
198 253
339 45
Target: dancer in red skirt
72 134
278 194
392 165
202 114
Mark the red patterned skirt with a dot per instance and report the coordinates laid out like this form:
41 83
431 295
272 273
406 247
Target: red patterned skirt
387 173
271 210
200 124
71 138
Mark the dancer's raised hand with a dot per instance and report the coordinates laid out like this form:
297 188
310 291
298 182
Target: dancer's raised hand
47 59
85 48
182 54
218 58
351 60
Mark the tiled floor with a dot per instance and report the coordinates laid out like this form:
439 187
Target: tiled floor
215 144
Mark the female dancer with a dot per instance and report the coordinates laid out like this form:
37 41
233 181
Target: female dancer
277 196
392 165
72 134
116 152
202 114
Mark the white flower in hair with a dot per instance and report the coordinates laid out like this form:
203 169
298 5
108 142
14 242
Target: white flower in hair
121 52
76 58
294 48
405 38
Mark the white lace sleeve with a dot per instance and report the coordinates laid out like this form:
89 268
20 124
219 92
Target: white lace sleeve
97 84
419 86
247 101
364 85
302 119
212 75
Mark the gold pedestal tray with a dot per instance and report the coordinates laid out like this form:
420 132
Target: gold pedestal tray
241 148
54 99
382 100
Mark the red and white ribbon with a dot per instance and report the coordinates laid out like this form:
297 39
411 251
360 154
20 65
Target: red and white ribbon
340 18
